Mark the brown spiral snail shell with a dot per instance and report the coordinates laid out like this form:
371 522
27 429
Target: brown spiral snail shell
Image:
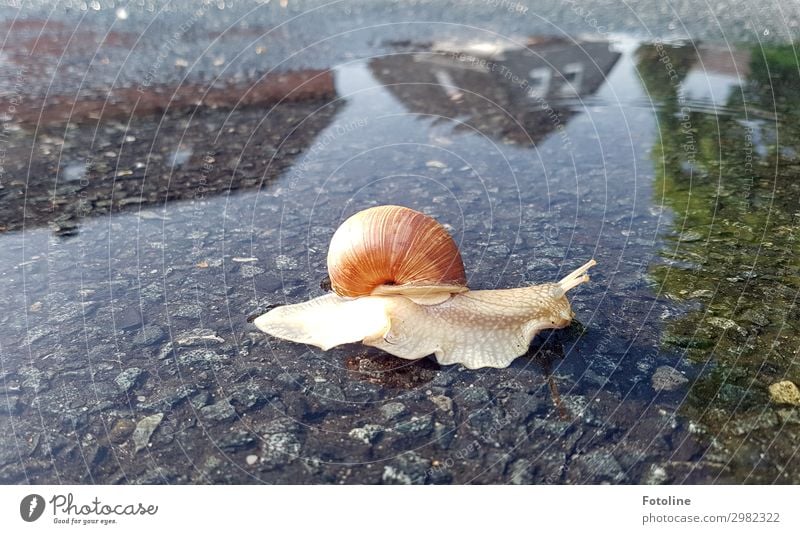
394 250
400 285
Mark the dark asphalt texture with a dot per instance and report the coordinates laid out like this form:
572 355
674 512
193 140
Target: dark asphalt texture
171 171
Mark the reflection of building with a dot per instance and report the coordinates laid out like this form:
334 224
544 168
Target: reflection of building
512 94
716 72
96 121
153 158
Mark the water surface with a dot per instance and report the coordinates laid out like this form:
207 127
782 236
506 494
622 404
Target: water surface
137 246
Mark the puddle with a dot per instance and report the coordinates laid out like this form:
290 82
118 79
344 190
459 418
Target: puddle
133 272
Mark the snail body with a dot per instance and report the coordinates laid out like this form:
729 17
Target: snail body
413 300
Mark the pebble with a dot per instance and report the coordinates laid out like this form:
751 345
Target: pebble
442 402
435 164
251 396
171 399
128 379
128 318
236 440
391 410
205 357
219 411
285 262
785 392
198 336
144 430
121 431
657 475
148 335
417 425
251 459
251 271
522 472
407 468
666 378
367 433
475 396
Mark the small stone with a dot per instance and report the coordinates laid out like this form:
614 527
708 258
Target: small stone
407 468
522 472
148 335
198 336
756 317
667 378
251 396
203 398
326 397
785 392
657 475
128 379
596 465
444 434
128 318
144 430
279 442
442 402
422 425
283 262
236 440
187 311
726 324
166 351
391 410
251 459
475 396
747 424
121 431
219 411
171 399
367 433
250 271
690 236
201 357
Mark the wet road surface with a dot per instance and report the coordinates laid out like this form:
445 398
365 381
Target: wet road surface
155 202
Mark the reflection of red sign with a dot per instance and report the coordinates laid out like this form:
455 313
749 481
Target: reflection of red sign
122 102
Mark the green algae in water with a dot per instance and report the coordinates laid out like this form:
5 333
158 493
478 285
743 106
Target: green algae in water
731 175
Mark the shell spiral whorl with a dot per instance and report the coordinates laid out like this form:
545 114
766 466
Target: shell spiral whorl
392 246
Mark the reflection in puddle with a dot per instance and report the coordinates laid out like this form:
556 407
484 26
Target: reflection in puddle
513 94
733 250
145 312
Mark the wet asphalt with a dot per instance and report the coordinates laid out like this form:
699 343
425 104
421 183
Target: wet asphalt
173 170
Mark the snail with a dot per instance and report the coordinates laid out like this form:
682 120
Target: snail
399 285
